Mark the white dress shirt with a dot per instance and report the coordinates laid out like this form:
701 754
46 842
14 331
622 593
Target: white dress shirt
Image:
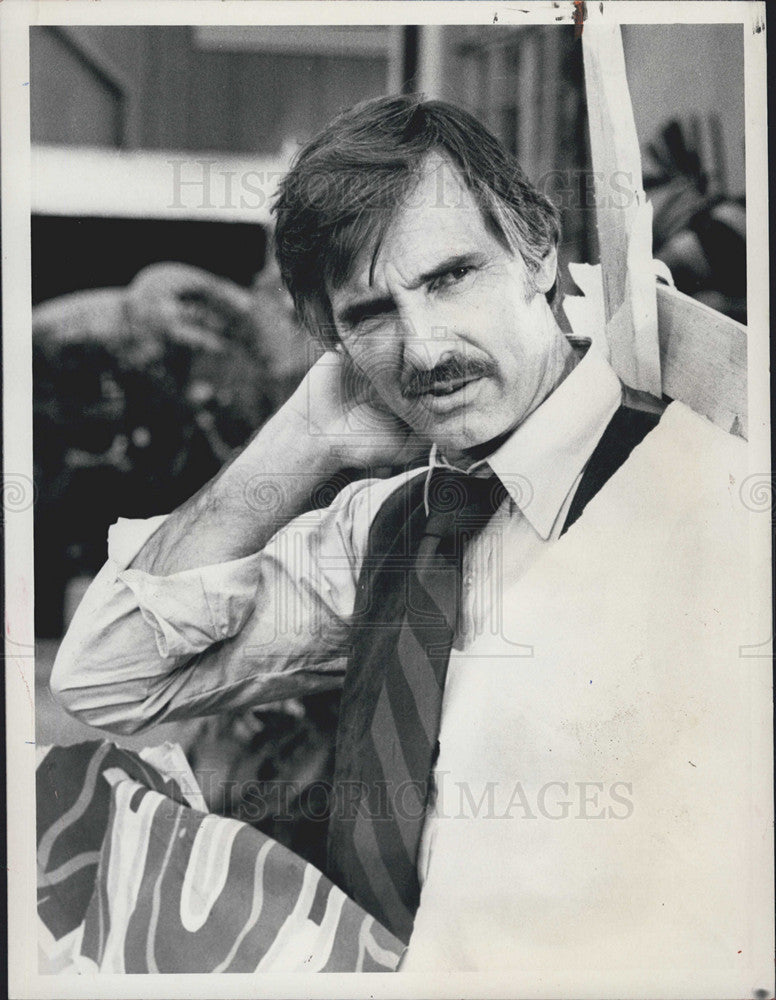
143 649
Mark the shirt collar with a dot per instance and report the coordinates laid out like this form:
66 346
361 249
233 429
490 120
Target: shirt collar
539 463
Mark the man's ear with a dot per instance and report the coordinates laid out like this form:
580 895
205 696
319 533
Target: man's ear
547 271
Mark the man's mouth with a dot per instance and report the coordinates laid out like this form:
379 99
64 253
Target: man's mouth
445 387
444 398
448 387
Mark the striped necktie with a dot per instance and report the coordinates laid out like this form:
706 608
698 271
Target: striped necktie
400 744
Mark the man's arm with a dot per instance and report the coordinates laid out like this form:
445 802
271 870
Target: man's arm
268 484
214 606
321 429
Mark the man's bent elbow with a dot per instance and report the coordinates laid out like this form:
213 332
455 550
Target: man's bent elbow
101 705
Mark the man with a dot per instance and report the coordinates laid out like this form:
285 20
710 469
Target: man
418 253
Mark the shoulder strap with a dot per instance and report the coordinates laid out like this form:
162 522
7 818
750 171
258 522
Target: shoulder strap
626 429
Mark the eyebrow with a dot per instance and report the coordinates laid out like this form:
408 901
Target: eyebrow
353 314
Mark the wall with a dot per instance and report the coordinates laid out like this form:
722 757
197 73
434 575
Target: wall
526 85
677 71
157 88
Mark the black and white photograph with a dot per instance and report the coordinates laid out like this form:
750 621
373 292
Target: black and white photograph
388 513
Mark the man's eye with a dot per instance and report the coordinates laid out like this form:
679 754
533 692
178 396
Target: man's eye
367 323
451 277
366 327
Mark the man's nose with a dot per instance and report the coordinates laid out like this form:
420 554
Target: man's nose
424 340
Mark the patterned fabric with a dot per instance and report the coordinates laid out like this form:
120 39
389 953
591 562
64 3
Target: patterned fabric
132 879
377 844
73 806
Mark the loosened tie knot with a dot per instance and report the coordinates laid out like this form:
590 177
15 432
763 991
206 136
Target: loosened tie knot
460 503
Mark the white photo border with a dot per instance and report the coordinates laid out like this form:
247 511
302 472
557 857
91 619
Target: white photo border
16 17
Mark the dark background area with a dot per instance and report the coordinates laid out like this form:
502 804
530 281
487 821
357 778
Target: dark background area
70 254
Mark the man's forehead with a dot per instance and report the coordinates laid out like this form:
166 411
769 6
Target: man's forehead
438 216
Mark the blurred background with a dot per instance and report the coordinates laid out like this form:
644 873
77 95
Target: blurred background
162 337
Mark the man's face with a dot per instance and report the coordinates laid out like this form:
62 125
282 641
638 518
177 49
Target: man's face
450 330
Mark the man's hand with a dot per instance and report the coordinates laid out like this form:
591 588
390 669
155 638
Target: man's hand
343 412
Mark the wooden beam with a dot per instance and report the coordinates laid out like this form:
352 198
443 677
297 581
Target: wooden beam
704 359
661 341
623 215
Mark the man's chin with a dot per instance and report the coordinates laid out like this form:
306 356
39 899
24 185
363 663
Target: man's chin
466 445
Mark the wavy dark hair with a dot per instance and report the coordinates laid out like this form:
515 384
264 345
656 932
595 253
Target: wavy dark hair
346 184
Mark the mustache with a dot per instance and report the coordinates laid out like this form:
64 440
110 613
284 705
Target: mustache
455 367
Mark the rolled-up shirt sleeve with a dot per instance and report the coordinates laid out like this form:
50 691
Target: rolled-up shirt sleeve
187 611
144 649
